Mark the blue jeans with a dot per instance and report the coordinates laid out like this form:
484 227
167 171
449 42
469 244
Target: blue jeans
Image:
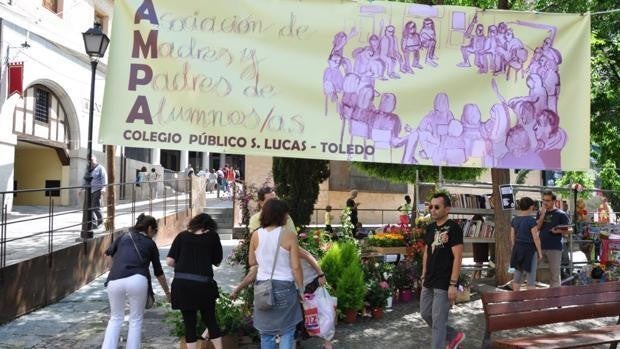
287 341
434 308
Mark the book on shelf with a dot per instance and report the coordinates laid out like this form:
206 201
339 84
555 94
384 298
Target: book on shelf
477 229
470 201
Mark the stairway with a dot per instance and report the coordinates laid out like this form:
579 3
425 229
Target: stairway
223 216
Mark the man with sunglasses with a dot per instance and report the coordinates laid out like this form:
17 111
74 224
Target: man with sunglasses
548 220
441 266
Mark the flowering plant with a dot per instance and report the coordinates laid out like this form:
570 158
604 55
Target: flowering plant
345 222
407 274
387 240
378 293
314 241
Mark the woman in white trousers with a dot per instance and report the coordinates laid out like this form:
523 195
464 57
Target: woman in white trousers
129 280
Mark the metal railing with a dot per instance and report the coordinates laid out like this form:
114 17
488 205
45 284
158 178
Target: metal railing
25 229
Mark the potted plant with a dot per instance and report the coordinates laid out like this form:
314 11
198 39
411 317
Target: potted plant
376 296
232 319
351 290
406 279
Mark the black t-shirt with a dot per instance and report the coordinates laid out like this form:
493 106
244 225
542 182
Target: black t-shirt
439 255
351 204
196 253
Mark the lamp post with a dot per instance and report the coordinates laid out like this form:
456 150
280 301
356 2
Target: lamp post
95 43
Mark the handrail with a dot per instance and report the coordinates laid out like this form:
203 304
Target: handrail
63 225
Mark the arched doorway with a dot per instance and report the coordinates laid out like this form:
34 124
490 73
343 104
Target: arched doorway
44 138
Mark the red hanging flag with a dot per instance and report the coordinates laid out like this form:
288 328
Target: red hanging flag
16 78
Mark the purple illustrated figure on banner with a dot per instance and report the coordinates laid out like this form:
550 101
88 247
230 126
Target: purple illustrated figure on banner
434 127
332 80
551 139
494 131
385 124
453 147
548 71
474 144
489 59
410 142
537 95
349 100
429 41
362 114
411 45
389 54
475 46
521 151
514 55
338 44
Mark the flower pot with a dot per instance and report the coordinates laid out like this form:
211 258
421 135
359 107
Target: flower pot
388 302
199 344
405 296
377 313
228 342
350 315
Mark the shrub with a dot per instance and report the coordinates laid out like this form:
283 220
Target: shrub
351 288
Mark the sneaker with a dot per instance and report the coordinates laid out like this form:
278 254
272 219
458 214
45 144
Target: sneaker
454 343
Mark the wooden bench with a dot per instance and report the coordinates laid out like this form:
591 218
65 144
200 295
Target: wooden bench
513 310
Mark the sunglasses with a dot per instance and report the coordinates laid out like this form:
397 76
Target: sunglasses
436 207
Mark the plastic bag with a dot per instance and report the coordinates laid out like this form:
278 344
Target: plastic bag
320 314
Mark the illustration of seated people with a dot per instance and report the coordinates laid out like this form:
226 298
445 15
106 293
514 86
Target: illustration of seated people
333 79
389 53
359 123
475 46
410 141
433 128
513 54
411 45
534 65
493 132
338 44
452 149
348 102
500 41
537 95
368 65
474 144
428 36
548 72
385 124
551 139
489 59
521 152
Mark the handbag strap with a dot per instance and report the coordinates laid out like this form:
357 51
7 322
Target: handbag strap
275 259
136 247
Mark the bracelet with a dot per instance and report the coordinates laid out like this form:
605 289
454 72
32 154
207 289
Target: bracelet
454 281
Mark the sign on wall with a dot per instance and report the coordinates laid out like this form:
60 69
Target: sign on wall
368 81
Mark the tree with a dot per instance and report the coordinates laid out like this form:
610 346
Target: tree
407 173
297 182
610 180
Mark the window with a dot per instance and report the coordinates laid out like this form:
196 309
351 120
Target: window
51 5
52 184
41 105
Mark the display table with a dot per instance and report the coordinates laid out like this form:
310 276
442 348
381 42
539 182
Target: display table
390 250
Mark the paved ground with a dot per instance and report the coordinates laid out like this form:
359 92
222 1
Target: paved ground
79 321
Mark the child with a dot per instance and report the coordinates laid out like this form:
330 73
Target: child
328 222
405 210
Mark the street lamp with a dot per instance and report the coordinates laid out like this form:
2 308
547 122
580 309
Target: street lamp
95 43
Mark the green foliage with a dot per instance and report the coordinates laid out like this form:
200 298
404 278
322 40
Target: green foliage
570 177
610 180
297 182
406 173
231 317
349 253
330 264
522 175
351 288
377 293
314 241
347 227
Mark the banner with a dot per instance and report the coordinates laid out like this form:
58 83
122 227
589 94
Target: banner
363 81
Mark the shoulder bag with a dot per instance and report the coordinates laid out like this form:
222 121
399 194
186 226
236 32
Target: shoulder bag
150 296
263 291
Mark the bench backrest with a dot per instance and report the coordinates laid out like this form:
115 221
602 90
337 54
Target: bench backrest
510 310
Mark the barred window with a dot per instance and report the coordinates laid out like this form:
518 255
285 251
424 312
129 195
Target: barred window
41 105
